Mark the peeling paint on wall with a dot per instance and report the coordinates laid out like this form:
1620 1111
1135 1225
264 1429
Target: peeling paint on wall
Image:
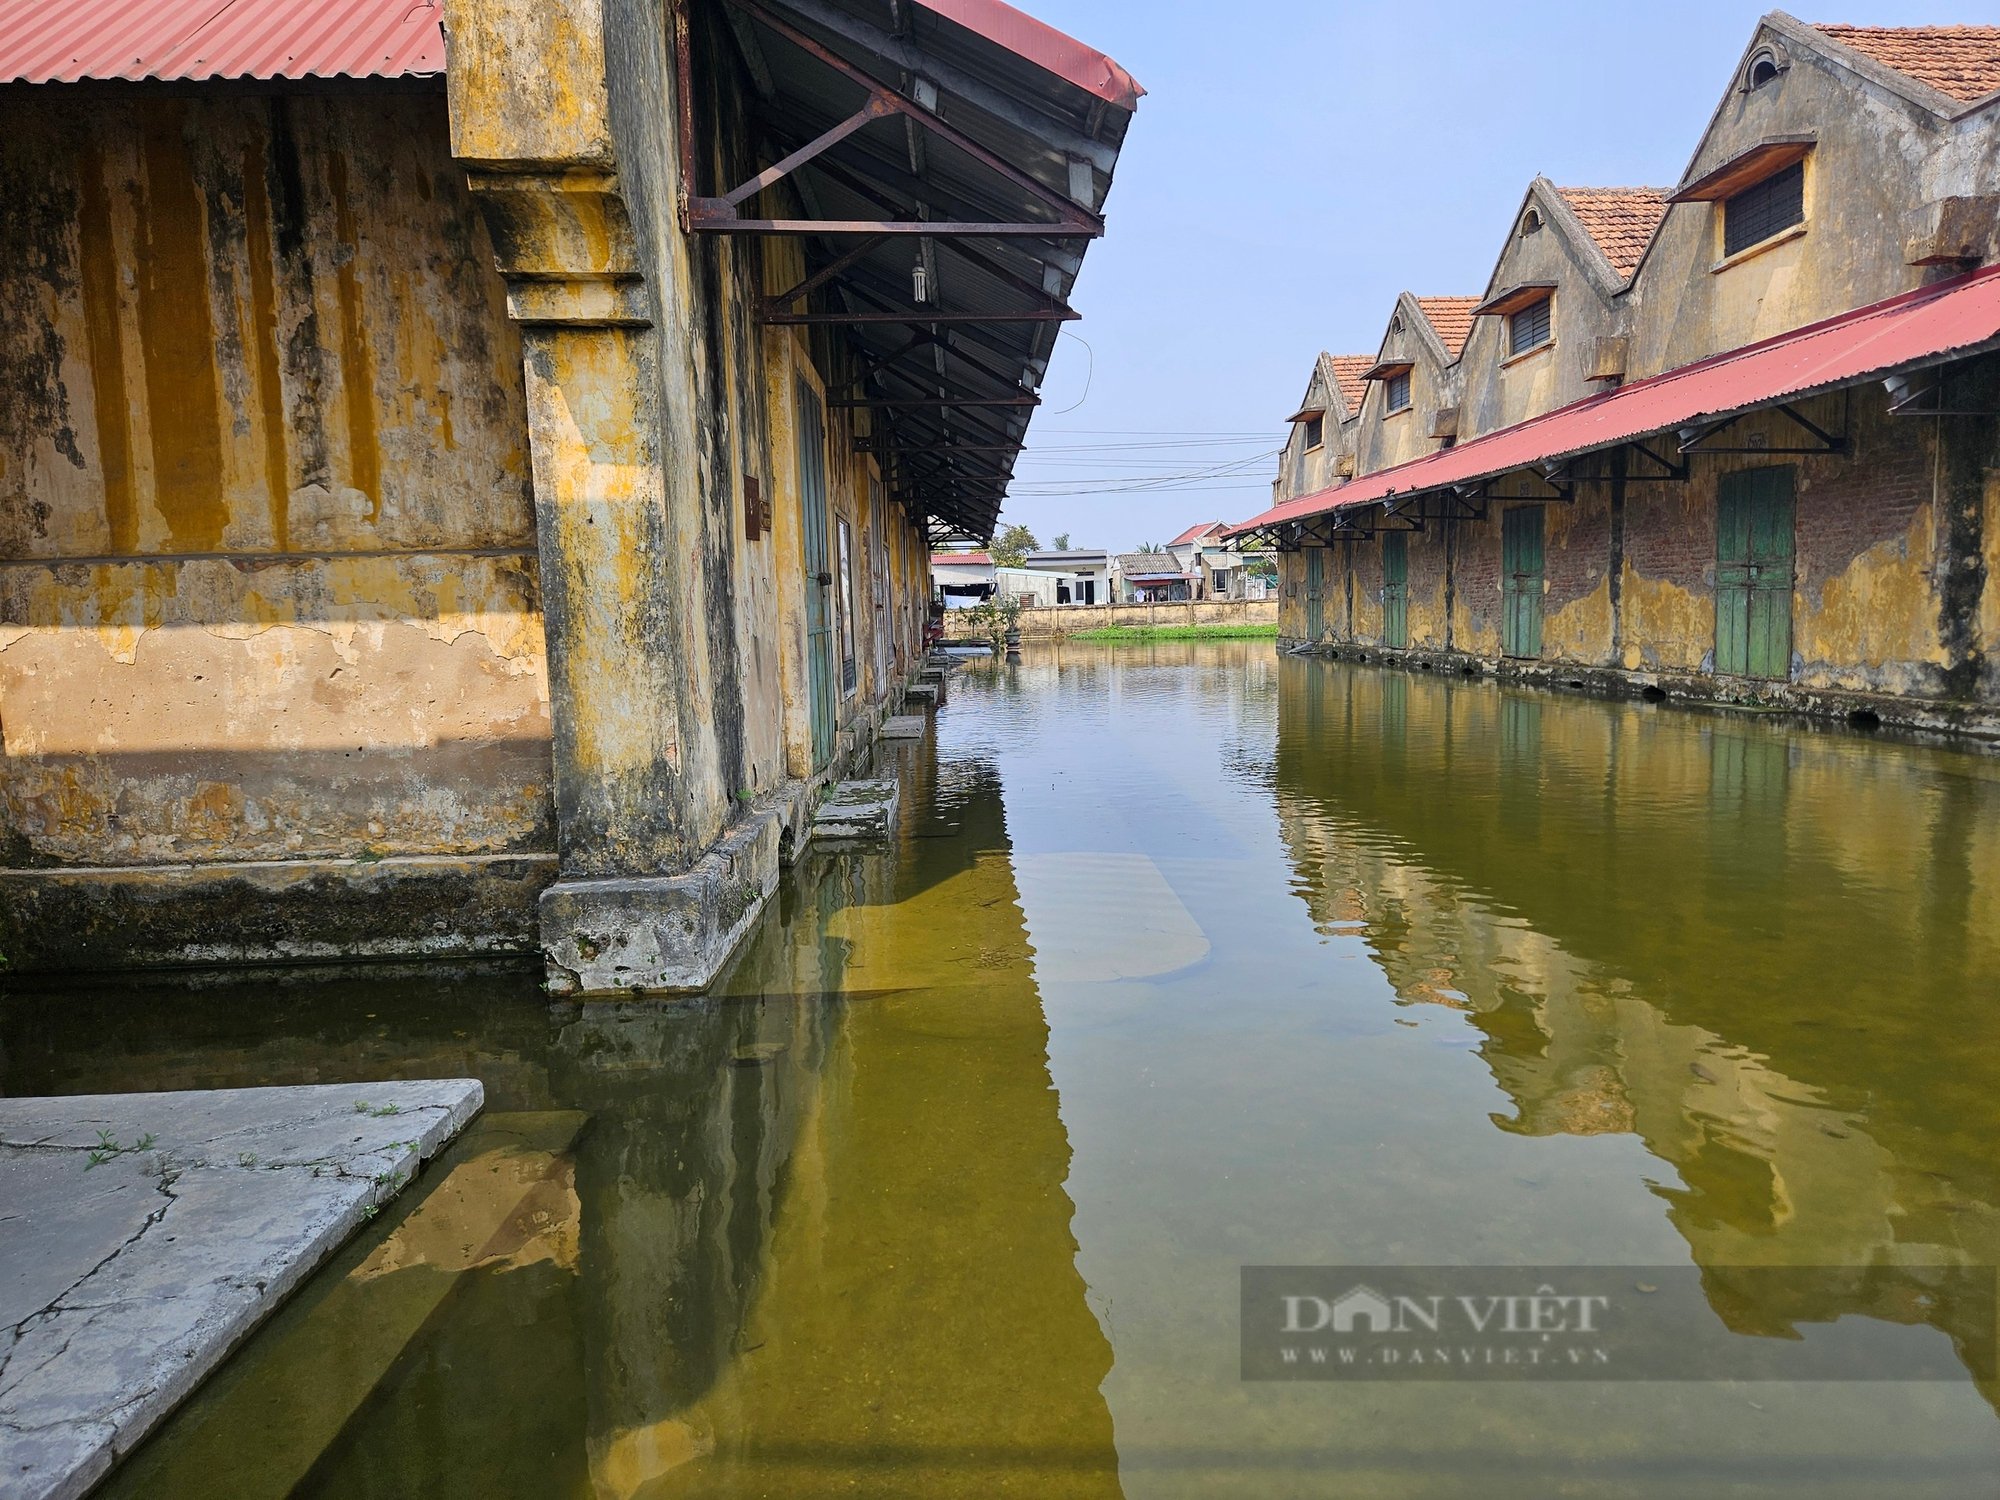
260 596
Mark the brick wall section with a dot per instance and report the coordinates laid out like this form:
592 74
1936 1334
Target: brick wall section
1576 546
1846 506
1427 558
1576 565
1669 536
1367 592
1476 627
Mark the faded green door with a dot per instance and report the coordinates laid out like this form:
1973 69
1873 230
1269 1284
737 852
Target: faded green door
1395 589
819 573
1521 581
1753 573
1315 593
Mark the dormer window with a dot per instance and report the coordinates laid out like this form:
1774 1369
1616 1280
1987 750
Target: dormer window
1529 327
1526 307
1761 193
1396 392
1315 428
1764 209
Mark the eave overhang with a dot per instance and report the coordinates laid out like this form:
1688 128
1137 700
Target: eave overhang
1746 169
1527 294
944 163
1935 325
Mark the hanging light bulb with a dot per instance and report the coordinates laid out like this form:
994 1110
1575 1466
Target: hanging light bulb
920 280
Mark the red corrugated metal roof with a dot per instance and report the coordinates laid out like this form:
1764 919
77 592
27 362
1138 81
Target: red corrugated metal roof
1044 46
961 559
1198 531
67 41
1952 318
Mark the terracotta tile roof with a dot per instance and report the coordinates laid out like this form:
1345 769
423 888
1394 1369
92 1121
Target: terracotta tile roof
1193 532
1961 61
961 559
1620 220
1451 317
1347 372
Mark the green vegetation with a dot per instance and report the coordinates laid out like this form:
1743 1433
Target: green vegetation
1012 546
1117 633
107 1148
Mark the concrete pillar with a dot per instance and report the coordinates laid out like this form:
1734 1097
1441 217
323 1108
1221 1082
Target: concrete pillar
640 903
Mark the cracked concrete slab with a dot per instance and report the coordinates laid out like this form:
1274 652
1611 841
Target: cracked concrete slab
904 727
857 812
143 1235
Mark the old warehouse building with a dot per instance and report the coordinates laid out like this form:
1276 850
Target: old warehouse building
467 474
1734 440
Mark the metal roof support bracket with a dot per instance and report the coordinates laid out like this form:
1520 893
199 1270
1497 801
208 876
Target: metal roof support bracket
862 403
820 277
917 317
718 215
1695 439
1671 470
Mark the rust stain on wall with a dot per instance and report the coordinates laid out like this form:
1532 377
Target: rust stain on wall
98 278
364 459
264 329
177 338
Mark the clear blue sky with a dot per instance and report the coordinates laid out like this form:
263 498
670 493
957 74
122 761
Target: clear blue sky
1293 167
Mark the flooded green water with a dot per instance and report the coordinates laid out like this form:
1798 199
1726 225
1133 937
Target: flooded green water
1188 957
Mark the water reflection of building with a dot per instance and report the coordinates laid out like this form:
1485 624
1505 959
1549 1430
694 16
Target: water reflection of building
806 1234
1754 948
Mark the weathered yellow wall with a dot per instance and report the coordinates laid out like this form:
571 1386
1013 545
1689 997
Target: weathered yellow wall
1425 613
267 572
1876 159
1500 388
1382 438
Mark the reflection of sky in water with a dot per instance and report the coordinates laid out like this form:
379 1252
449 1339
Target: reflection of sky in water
1252 1072
1187 958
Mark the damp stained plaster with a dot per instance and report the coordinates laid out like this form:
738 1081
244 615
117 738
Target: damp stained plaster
281 525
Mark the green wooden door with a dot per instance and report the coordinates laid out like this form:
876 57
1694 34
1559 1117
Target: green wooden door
1315 593
1395 588
1521 581
1753 573
819 573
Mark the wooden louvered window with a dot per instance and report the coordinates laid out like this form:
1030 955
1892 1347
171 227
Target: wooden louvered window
1764 209
1529 328
1396 390
1315 432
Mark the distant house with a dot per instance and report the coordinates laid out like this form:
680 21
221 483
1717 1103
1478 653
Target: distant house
962 579
1188 546
1150 578
1035 588
1216 569
1087 572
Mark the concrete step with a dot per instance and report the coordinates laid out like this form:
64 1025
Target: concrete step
857 812
903 727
